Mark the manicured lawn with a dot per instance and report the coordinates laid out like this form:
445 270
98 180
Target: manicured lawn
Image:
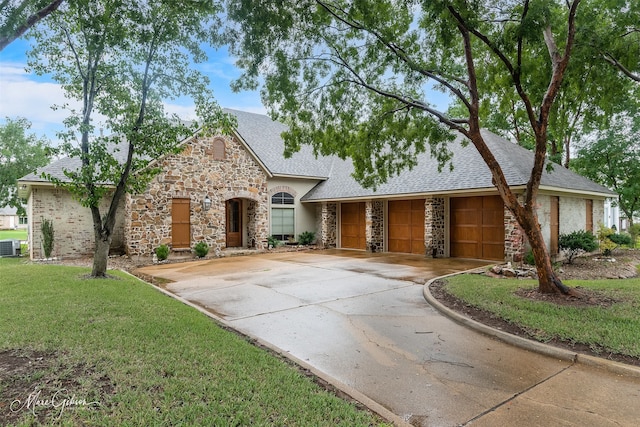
145 358
608 329
13 234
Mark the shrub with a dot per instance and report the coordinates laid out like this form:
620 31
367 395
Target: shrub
162 252
620 239
306 238
201 249
529 258
47 237
634 231
273 241
606 245
576 243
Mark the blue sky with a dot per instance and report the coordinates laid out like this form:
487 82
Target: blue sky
31 96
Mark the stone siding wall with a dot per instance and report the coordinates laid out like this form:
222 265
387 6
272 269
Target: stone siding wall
573 214
598 214
72 224
327 217
434 226
514 238
195 173
374 225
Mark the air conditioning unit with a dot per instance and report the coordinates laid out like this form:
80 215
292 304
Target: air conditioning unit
9 247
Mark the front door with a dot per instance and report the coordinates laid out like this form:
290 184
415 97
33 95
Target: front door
234 223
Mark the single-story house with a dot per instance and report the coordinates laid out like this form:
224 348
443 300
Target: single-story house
10 220
237 190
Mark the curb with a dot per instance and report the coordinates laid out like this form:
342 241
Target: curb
527 344
354 394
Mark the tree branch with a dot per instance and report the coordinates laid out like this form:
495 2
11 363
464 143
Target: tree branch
30 22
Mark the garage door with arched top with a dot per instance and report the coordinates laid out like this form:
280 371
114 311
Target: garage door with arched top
406 226
477 227
352 226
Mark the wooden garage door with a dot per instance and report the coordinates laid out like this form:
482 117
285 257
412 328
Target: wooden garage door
180 225
477 227
406 226
352 229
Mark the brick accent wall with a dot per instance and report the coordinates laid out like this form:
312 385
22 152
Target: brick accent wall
327 223
434 226
195 173
72 224
374 225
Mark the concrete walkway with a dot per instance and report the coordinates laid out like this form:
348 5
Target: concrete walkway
361 320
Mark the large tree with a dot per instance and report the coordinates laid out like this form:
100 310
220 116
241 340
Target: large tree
20 154
17 17
122 59
613 160
351 78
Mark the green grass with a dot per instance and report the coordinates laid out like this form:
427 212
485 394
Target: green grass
13 234
145 358
612 329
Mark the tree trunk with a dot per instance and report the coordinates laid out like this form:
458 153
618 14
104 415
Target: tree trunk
548 281
101 255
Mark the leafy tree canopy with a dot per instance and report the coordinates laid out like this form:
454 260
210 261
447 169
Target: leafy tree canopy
20 154
613 160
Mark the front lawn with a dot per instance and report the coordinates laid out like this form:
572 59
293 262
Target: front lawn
118 352
20 234
613 327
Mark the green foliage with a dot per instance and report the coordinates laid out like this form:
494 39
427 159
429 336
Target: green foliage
576 243
20 154
17 17
306 238
529 259
162 252
273 242
201 249
46 227
613 160
620 239
634 231
606 245
123 59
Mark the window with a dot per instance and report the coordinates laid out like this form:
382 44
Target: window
282 199
282 223
282 219
23 220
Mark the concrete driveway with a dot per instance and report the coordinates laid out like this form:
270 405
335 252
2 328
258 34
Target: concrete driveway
362 319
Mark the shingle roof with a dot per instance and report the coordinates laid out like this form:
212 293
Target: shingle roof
469 172
263 137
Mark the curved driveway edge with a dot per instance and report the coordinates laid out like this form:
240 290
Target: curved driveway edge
527 344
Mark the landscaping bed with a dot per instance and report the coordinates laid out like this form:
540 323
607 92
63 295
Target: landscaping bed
579 275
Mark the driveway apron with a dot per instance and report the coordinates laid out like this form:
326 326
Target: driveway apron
362 319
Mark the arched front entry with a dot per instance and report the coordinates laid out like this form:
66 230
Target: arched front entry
234 223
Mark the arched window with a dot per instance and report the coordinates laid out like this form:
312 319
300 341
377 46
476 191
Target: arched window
282 199
282 218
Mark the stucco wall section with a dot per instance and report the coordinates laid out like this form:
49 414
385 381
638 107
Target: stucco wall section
195 173
573 214
305 213
434 226
374 225
72 224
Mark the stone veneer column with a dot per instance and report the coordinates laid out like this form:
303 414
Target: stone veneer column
434 226
374 225
514 238
328 223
